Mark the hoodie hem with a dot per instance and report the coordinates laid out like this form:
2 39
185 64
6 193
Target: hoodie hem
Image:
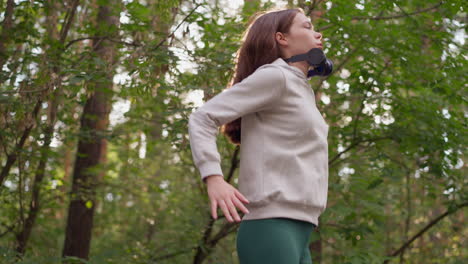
302 212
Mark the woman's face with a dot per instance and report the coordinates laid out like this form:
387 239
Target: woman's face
301 37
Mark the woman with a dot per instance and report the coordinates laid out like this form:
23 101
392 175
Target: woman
283 177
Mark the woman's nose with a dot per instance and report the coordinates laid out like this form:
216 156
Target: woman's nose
318 35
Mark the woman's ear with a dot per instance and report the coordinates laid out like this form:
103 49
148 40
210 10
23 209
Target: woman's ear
281 39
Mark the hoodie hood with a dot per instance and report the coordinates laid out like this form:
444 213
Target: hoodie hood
280 62
296 71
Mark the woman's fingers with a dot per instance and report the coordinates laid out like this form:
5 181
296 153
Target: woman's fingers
241 197
213 209
223 206
228 203
240 205
233 209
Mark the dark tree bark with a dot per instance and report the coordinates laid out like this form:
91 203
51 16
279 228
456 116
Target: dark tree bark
92 143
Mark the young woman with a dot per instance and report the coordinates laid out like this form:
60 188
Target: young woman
283 177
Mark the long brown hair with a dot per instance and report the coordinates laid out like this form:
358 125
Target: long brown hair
258 47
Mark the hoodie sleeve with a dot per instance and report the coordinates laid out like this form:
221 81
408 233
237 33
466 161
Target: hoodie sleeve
258 91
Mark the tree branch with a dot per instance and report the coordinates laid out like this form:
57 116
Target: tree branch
69 16
27 91
427 227
8 229
172 33
173 254
354 144
397 15
206 241
134 44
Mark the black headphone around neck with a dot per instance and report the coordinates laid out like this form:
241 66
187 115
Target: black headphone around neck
315 57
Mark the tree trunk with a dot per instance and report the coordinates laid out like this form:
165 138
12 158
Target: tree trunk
5 37
92 143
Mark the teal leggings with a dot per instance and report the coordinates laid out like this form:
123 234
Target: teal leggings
274 241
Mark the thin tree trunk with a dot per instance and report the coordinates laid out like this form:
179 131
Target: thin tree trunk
408 216
30 120
23 235
6 34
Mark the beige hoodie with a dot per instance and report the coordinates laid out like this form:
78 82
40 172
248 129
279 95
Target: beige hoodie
284 150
